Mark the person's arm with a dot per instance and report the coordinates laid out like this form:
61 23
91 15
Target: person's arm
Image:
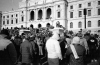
86 45
58 50
12 53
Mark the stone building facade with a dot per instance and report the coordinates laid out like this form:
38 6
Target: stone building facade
76 18
0 20
36 13
70 14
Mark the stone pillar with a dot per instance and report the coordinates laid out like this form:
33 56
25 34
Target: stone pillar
44 13
52 12
36 14
28 15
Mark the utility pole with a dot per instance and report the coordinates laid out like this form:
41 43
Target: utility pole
85 13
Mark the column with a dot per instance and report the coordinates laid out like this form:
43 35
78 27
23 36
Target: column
52 12
36 14
44 13
28 14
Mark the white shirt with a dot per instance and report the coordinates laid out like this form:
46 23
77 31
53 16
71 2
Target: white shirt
53 48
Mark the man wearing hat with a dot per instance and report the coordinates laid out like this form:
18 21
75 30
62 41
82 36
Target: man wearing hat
8 55
53 47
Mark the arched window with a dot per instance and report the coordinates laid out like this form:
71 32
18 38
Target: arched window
80 24
7 27
48 13
31 26
39 25
98 23
39 14
21 26
59 14
71 25
11 27
89 23
48 25
32 15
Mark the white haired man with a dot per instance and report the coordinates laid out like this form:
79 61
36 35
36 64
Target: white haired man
53 48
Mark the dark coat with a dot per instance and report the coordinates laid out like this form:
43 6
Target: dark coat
26 51
93 43
80 51
8 56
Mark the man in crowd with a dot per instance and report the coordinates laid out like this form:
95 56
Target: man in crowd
53 48
92 43
8 55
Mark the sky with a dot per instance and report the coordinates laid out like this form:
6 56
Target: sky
7 5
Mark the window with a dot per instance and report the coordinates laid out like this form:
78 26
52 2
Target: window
3 22
11 15
98 2
22 18
21 26
89 12
80 5
98 11
58 6
71 25
98 23
89 23
16 21
7 21
58 14
89 4
80 24
80 13
22 11
11 21
71 7
71 14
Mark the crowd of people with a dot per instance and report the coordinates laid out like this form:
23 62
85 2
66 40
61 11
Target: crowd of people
49 46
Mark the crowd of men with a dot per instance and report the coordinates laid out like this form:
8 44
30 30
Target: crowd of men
49 46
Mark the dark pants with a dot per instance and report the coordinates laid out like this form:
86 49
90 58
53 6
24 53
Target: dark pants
53 61
93 54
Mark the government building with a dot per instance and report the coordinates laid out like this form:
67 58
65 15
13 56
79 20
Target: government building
71 14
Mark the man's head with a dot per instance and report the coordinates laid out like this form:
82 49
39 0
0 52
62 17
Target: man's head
76 40
5 32
57 33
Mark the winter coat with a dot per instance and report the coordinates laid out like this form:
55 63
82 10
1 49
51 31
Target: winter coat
80 51
93 43
8 55
26 51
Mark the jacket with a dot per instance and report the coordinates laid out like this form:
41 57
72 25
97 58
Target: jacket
81 53
26 51
8 55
